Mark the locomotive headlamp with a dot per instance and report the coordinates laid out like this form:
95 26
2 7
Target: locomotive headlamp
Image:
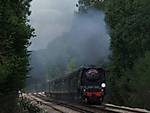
84 90
103 85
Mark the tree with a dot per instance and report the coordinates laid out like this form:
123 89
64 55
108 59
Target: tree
129 22
71 65
140 79
88 4
15 33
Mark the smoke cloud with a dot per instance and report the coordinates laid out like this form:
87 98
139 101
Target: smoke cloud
63 35
50 18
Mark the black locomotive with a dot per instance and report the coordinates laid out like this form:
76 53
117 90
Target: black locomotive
86 84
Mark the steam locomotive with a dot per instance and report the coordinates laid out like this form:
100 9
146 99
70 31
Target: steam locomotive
86 85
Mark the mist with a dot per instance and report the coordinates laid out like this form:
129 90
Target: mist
87 40
79 37
50 18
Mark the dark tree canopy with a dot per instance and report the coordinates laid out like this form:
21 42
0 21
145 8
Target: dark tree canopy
130 37
15 33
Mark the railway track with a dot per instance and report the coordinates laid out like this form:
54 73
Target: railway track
127 109
75 109
40 102
119 109
82 108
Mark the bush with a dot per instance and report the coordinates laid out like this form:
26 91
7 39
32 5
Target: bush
140 82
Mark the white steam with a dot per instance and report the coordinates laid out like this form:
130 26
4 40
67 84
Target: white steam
50 18
63 35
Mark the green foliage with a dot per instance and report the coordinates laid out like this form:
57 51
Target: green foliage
59 69
129 21
140 79
30 106
3 72
71 65
15 33
54 70
87 4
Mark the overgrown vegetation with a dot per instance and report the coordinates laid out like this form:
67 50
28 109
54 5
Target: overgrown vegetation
28 106
15 33
129 23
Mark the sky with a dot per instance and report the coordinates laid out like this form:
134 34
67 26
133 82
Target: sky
50 18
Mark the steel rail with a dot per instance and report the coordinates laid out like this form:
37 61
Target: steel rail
80 108
74 108
128 109
117 109
104 107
